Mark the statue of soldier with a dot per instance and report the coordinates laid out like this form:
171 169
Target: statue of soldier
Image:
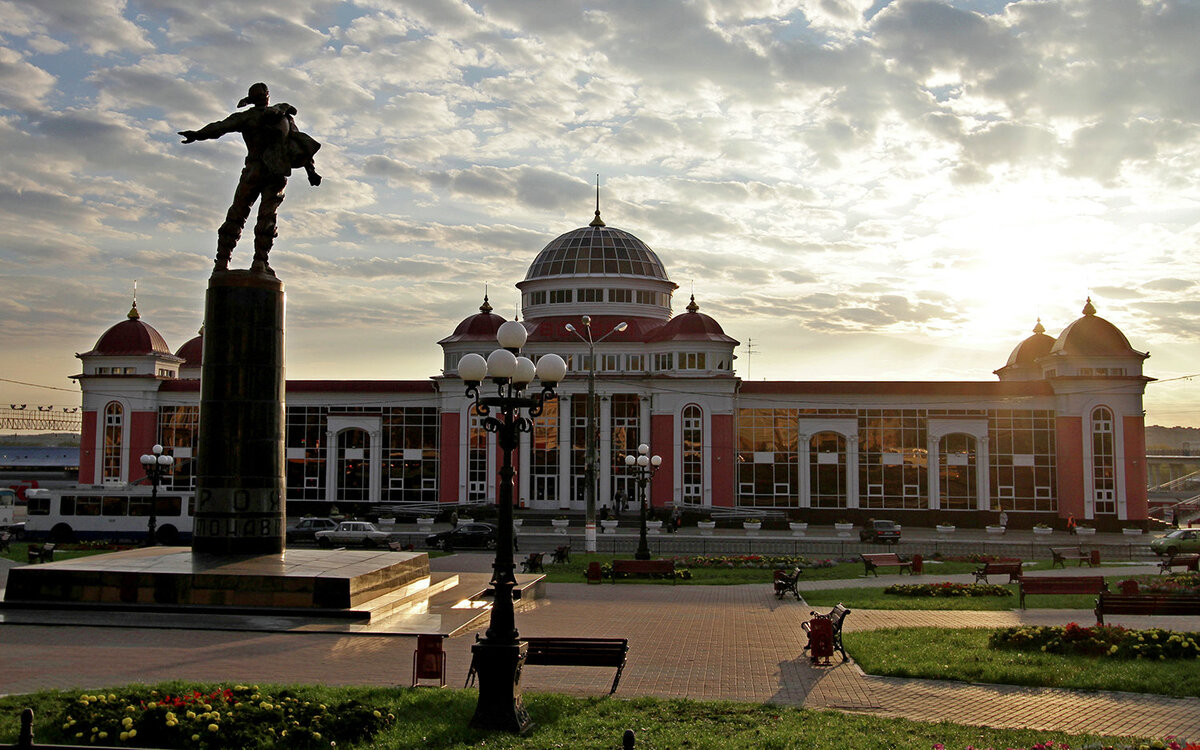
274 146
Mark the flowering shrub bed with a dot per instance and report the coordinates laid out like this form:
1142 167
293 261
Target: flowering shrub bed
1099 640
976 557
763 562
236 717
948 589
1168 743
681 574
1176 583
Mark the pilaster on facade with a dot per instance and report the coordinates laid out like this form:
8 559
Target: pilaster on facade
604 466
565 428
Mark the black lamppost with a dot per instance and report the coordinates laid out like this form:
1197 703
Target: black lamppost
156 464
500 654
590 457
643 466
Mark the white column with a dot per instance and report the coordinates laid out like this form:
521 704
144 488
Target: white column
565 425
331 463
524 452
375 470
804 468
852 484
983 473
604 449
933 476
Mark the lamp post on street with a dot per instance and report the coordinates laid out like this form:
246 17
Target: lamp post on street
156 464
590 447
498 657
643 466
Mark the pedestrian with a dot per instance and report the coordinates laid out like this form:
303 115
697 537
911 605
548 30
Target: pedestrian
676 519
516 547
1070 523
454 519
1003 518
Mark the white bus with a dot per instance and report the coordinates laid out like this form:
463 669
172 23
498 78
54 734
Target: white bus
8 508
109 513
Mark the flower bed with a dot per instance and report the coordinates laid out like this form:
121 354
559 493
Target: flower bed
762 562
1176 583
681 574
1111 641
948 589
241 717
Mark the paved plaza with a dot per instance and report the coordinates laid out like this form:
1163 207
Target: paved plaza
704 642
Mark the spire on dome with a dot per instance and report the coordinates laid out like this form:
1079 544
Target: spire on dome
1089 308
1039 328
597 222
485 308
133 313
692 306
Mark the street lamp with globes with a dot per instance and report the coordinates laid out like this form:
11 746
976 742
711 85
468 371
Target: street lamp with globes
498 656
156 464
643 466
590 449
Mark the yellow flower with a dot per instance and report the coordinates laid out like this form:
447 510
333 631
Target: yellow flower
102 735
127 722
172 723
195 738
316 735
265 706
191 714
124 736
378 715
213 727
133 733
78 735
152 704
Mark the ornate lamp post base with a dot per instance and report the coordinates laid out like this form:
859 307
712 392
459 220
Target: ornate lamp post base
500 707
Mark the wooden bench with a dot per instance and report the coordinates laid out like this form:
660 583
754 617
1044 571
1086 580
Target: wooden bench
572 652
1062 554
873 561
561 554
1011 569
1146 604
1061 585
533 563
785 583
1190 560
643 567
41 552
838 616
399 547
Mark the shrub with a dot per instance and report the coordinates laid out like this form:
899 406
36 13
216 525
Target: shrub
948 589
1112 641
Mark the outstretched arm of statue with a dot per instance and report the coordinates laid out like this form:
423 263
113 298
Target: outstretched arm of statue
215 129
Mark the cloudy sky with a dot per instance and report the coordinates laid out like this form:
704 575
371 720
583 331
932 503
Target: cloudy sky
856 189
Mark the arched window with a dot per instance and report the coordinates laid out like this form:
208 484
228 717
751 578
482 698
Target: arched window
827 470
1104 481
114 424
693 455
957 472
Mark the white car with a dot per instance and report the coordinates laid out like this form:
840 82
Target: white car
352 533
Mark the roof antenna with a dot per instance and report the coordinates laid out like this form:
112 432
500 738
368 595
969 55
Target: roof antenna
597 222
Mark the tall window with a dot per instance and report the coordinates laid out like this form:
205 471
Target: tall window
1104 483
177 430
410 450
306 449
626 437
892 458
353 465
957 472
1022 456
543 455
768 445
693 455
477 463
114 421
827 470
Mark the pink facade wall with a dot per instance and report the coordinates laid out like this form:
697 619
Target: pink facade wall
87 447
1069 444
448 459
143 434
662 443
1136 505
724 466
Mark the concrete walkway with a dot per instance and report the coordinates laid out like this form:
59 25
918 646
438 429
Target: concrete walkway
705 642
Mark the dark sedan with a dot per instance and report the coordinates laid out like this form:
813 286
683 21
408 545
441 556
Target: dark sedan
879 532
466 536
306 530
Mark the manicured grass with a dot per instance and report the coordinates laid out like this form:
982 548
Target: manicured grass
438 719
874 598
963 654
19 551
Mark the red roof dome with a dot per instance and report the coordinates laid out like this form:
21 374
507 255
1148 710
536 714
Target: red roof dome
131 337
692 326
1093 336
481 326
1029 351
192 352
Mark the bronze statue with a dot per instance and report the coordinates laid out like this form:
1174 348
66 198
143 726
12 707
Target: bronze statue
274 146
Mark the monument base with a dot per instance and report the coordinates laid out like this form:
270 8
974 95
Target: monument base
310 581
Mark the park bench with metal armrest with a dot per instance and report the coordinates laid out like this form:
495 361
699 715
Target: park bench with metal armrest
5 539
785 583
573 652
875 560
1146 604
1009 568
1062 554
643 567
41 552
1189 560
533 563
838 616
1061 585
561 554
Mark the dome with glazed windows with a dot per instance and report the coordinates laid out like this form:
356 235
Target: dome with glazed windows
597 250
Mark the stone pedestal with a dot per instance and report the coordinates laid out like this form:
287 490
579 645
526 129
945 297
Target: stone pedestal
240 473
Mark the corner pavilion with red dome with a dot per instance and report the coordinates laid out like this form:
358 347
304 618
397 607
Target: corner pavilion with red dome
1059 432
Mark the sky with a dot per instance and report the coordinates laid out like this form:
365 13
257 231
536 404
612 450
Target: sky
854 189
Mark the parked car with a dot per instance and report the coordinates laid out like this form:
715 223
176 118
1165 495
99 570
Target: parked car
1179 540
348 533
306 530
466 536
879 532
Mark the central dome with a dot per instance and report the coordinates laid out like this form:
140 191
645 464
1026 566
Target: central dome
598 251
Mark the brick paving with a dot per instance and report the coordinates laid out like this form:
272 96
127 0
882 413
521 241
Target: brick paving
704 642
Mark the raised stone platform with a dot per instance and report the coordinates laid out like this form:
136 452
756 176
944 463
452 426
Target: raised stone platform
174 577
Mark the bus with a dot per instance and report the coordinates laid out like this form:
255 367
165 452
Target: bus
108 513
8 509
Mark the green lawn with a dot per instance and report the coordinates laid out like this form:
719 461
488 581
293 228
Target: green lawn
19 551
963 655
438 719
